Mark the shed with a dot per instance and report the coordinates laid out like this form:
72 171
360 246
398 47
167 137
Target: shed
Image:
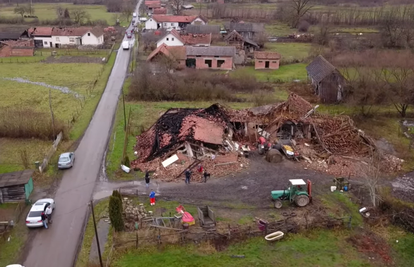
327 81
16 186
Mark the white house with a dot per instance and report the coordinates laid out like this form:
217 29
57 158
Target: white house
77 36
42 36
172 22
171 39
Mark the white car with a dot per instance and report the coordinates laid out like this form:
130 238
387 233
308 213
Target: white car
34 218
15 265
66 160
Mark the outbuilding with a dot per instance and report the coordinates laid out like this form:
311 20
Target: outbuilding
16 186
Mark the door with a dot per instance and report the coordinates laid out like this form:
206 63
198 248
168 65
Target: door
267 63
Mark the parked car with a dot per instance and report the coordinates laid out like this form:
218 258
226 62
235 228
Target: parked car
125 45
66 160
15 265
129 35
34 218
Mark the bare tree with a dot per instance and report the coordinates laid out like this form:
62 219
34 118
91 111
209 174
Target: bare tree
176 6
79 16
60 12
21 10
372 178
127 10
299 9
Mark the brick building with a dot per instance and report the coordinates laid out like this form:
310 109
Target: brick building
266 60
21 48
212 57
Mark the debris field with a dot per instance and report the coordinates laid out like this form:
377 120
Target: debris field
220 140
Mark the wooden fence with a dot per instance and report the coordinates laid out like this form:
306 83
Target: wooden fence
50 153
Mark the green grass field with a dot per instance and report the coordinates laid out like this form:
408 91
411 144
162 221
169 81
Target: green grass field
47 11
290 51
77 77
315 248
286 73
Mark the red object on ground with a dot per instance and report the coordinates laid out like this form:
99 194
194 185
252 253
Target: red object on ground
262 140
152 200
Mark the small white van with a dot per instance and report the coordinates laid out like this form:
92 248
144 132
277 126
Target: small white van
134 15
125 45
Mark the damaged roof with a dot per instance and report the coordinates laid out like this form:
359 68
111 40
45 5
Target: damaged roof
223 51
202 29
177 126
173 52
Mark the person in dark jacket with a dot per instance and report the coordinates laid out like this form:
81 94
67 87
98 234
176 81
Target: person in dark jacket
147 179
44 219
206 175
187 176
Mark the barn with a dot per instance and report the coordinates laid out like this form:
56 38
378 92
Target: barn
16 186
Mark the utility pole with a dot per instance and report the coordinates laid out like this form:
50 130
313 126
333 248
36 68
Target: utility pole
51 112
123 101
31 3
96 234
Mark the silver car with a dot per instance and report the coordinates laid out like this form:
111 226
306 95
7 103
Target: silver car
34 218
66 160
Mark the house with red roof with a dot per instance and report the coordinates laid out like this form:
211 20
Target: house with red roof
42 36
174 38
77 36
169 23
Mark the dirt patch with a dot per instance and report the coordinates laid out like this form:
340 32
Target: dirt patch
73 59
7 212
403 187
373 246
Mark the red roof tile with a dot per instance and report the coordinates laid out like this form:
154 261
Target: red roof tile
153 4
167 18
40 31
266 55
80 31
177 52
195 39
160 11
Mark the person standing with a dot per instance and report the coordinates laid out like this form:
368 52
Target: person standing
206 174
147 179
44 218
48 212
152 197
187 176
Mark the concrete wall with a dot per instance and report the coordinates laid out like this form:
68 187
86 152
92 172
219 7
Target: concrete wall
65 40
46 41
260 64
201 63
92 39
7 51
170 40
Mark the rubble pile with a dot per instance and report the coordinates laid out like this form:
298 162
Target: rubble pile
177 126
133 213
339 136
218 166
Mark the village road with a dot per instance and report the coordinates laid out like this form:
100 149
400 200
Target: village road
58 245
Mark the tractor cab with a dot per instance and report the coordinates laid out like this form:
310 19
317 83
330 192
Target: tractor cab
298 191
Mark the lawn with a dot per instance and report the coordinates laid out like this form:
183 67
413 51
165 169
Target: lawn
47 11
10 250
278 29
286 73
315 248
78 78
290 51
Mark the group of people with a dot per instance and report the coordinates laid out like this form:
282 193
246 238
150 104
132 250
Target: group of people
188 174
47 216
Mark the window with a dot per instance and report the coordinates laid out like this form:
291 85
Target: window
274 61
260 61
208 62
71 39
57 39
172 39
165 24
198 56
220 62
216 56
168 39
89 34
45 43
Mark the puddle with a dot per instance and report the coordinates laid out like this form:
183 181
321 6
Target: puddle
64 90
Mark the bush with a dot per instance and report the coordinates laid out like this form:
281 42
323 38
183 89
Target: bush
115 213
28 123
116 193
196 85
303 26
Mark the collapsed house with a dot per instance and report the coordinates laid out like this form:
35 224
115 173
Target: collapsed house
218 137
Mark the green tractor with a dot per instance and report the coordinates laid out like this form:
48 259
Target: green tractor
298 192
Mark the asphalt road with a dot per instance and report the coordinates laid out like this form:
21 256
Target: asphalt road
58 245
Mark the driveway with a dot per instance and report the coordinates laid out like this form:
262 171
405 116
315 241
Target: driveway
58 245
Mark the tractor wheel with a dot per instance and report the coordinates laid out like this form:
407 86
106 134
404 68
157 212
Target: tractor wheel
302 200
278 203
